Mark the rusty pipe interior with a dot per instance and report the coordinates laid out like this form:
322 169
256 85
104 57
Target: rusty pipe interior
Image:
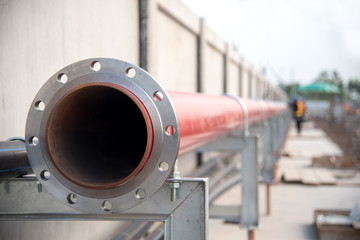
99 135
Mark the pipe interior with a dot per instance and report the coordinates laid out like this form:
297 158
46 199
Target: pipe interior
97 137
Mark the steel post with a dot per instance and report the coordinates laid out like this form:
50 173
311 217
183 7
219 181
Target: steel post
268 199
268 170
249 184
251 235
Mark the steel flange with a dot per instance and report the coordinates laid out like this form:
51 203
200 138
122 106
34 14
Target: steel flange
102 135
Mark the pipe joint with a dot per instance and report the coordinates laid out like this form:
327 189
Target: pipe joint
102 135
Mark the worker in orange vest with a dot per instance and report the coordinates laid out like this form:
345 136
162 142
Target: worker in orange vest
298 106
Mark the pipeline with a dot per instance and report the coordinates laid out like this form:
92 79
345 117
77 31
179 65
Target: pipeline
102 135
13 159
204 118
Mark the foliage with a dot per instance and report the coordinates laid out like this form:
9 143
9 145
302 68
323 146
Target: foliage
334 78
354 85
354 88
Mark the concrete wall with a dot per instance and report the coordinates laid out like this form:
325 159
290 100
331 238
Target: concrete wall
39 37
177 31
246 80
213 62
233 76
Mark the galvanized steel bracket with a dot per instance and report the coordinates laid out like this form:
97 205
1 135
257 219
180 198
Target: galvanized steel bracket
187 218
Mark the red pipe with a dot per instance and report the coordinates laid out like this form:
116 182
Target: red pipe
100 134
204 118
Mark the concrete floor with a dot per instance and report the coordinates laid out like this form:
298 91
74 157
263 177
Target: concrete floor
293 205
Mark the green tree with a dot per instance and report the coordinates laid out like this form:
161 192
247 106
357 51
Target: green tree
354 87
334 78
323 77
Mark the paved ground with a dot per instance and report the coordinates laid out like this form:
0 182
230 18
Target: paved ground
292 204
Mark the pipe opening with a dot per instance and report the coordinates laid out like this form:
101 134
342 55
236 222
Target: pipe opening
99 135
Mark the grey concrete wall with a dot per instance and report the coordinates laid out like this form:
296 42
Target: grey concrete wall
233 83
246 80
177 32
39 37
233 79
213 62
213 75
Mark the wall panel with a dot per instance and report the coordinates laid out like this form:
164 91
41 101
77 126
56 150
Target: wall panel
39 37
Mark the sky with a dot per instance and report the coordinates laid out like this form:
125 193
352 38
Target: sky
293 39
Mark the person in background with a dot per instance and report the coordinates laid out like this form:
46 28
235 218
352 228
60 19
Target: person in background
298 107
